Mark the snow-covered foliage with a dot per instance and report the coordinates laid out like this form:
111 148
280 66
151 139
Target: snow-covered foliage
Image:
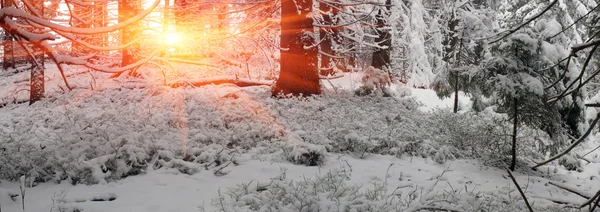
91 136
333 191
98 136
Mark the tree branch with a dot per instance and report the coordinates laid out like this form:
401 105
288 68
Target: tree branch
573 145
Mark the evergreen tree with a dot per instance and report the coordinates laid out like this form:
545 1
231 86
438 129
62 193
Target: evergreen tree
464 26
511 74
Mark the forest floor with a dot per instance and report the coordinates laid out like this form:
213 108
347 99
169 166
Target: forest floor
255 123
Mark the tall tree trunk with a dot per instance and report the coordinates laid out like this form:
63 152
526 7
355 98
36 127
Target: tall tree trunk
36 84
83 19
8 43
298 73
100 20
381 56
513 163
456 93
128 9
328 35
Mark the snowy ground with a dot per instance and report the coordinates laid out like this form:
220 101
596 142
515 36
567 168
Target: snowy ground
166 189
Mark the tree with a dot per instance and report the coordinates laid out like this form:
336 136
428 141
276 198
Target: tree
463 25
381 56
7 43
127 10
512 76
329 37
298 64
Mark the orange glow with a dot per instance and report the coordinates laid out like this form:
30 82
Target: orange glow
172 39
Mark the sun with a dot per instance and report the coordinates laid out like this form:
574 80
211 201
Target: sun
172 38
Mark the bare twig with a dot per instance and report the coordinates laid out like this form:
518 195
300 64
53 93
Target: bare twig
570 189
520 190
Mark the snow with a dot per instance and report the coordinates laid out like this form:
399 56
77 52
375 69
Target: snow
168 189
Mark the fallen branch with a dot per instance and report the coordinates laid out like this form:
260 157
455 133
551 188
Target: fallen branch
221 80
558 201
590 200
571 189
595 205
426 208
520 190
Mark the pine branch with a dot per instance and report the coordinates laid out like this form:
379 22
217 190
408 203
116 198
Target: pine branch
515 29
573 145
573 24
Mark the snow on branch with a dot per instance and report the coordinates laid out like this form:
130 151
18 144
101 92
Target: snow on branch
17 13
221 80
515 29
573 145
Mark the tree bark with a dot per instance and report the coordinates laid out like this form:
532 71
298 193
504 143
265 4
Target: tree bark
456 93
8 43
128 9
83 19
381 56
36 84
513 162
37 79
298 73
328 35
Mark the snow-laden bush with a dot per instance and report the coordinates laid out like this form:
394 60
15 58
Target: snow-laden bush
333 192
328 192
380 125
93 137
374 80
90 136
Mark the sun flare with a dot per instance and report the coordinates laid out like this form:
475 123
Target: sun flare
172 38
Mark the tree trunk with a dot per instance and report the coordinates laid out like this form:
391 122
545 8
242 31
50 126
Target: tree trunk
37 81
8 44
513 163
36 84
328 35
298 73
456 93
381 56
100 20
84 19
128 9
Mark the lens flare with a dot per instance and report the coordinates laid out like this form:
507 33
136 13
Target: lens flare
172 39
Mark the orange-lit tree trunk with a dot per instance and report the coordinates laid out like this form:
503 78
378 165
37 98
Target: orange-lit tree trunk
100 20
299 71
328 35
82 19
8 43
128 9
37 80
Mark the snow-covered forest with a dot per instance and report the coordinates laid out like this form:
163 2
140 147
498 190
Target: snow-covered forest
299 105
